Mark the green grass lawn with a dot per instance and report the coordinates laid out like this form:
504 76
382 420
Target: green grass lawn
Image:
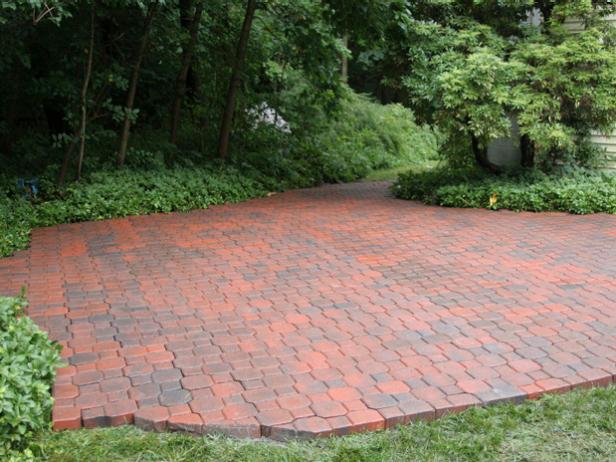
390 174
578 426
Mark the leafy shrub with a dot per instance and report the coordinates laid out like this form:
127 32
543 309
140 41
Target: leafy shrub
287 162
571 91
15 224
120 193
360 136
366 136
127 192
28 362
559 85
578 191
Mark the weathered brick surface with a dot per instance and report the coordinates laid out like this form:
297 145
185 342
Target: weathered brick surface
330 310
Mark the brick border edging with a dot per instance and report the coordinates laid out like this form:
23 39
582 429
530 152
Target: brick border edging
160 418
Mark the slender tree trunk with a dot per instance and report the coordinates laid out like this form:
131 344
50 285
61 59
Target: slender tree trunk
67 160
236 77
13 88
84 97
94 113
528 152
132 86
10 116
180 82
193 81
481 156
546 7
344 68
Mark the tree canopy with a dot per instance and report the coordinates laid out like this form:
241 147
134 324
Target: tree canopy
88 83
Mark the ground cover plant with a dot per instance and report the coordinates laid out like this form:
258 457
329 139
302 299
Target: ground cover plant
577 191
28 362
121 193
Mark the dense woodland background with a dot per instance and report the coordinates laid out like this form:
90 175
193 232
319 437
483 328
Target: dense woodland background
112 108
180 82
126 82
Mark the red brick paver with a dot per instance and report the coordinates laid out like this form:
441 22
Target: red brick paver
329 310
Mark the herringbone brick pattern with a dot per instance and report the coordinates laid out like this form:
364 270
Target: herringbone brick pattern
329 310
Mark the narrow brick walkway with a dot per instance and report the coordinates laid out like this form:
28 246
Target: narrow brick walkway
329 310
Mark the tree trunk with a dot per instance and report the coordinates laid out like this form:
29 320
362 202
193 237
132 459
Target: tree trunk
344 66
66 161
236 77
84 97
11 106
528 152
132 87
15 79
193 82
94 113
481 156
180 83
546 7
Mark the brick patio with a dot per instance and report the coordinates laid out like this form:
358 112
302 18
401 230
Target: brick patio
330 310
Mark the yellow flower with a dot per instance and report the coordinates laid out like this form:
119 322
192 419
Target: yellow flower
493 200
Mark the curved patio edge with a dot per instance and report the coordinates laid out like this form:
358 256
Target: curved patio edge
283 428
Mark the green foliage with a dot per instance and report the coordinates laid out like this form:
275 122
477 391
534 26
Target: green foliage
366 136
15 225
360 138
436 49
471 65
576 191
28 362
33 10
475 97
560 86
120 193
571 91
124 192
44 64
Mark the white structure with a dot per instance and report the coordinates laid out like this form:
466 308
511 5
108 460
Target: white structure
505 152
264 114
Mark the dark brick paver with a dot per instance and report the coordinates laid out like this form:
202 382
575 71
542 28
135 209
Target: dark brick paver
329 310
